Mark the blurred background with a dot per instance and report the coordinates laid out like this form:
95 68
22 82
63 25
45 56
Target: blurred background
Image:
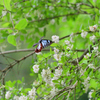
43 18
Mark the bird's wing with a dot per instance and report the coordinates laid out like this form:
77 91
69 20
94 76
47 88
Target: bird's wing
38 42
35 44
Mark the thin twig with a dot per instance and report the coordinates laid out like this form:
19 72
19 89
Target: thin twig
53 17
18 61
29 50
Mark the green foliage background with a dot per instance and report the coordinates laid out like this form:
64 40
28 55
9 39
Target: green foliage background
24 22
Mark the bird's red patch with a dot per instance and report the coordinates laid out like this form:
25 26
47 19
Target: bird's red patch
39 48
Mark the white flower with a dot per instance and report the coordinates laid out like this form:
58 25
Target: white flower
62 82
8 94
87 55
23 97
71 40
58 1
67 42
93 28
53 91
70 46
60 64
57 56
56 50
38 53
36 83
94 0
32 92
72 34
67 54
95 48
52 83
90 94
86 83
84 34
52 21
55 38
62 53
78 5
64 19
36 68
4 13
41 29
46 75
58 73
11 88
91 66
51 7
92 38
81 71
16 97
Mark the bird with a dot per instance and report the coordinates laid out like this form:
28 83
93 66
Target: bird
42 44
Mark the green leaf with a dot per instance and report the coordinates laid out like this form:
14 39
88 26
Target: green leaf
7 4
22 37
1 2
22 24
2 40
93 84
11 40
19 81
85 61
54 44
96 19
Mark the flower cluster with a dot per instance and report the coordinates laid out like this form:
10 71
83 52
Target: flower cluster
70 46
32 93
22 97
36 68
87 55
86 83
53 91
55 38
92 38
90 94
58 73
46 75
8 95
67 42
64 19
84 34
56 50
95 49
91 66
93 28
52 21
57 56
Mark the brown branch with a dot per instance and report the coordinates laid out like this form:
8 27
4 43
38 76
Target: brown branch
26 50
71 87
82 56
4 28
18 61
53 17
29 50
3 83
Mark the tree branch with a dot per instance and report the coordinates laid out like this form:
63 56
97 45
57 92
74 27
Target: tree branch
18 61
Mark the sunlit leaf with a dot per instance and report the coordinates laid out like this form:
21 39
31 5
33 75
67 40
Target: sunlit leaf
22 24
7 4
93 83
11 40
54 44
